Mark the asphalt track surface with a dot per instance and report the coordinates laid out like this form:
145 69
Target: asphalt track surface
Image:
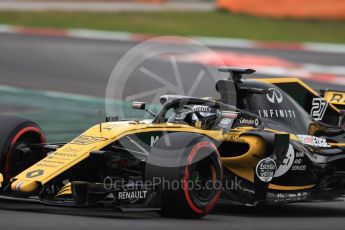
83 67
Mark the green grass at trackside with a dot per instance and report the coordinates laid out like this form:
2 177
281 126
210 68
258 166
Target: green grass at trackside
216 24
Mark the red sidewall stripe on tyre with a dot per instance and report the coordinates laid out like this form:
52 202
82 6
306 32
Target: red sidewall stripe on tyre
191 156
14 141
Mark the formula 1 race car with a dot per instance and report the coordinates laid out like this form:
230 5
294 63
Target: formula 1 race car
278 142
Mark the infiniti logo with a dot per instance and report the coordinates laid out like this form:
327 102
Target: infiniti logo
274 96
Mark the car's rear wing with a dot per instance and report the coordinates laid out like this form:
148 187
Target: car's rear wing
336 98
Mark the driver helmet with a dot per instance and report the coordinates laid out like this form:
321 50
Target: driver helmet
198 116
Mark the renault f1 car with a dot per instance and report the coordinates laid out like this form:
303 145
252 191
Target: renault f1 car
278 142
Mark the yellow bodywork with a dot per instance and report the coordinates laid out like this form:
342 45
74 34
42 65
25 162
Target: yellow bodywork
95 139
287 80
335 97
80 148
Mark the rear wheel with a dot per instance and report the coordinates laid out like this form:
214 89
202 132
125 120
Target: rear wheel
189 169
15 134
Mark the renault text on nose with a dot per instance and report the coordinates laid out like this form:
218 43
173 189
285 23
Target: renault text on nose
129 195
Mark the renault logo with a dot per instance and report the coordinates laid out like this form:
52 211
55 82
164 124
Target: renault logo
35 173
274 96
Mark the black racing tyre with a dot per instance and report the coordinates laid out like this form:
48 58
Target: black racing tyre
188 169
15 133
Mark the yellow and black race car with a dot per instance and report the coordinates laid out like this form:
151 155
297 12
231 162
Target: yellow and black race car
278 142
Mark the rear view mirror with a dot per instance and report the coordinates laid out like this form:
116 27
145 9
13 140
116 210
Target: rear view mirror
142 106
139 105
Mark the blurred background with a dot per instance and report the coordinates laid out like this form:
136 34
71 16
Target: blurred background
56 56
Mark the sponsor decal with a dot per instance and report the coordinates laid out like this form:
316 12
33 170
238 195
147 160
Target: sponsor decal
313 141
319 107
52 162
87 140
290 196
250 122
287 162
70 150
46 165
234 139
64 155
274 96
265 169
335 97
256 122
298 164
293 161
201 108
130 195
277 113
249 190
35 173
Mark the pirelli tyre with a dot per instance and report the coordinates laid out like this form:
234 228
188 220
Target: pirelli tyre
188 171
15 134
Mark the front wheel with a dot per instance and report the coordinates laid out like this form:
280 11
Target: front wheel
15 134
189 169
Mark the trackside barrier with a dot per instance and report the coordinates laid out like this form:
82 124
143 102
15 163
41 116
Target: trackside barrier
309 9
128 1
